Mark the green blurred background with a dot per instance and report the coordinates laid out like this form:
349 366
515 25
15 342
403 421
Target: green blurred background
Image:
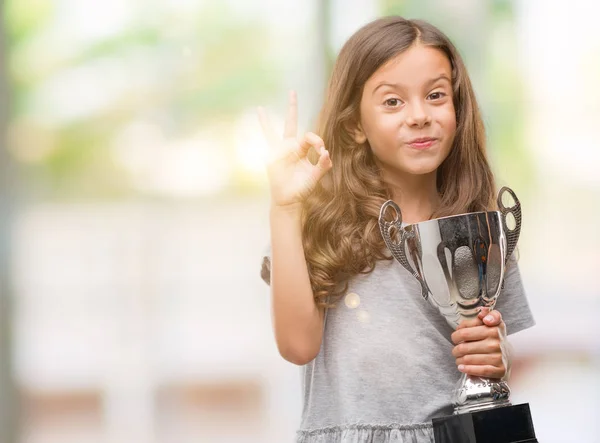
134 206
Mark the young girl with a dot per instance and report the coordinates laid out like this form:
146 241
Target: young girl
400 121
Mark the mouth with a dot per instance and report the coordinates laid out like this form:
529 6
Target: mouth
421 142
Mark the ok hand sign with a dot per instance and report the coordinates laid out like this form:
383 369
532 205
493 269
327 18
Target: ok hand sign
292 177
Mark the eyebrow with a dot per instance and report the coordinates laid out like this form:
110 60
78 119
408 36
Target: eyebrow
428 83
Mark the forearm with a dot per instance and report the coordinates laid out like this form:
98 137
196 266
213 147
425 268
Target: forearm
297 321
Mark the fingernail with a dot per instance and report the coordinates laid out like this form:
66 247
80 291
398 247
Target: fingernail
461 368
489 318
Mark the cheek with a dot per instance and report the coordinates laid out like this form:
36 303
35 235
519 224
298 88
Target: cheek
446 117
452 121
382 126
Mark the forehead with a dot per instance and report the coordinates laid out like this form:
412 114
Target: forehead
413 67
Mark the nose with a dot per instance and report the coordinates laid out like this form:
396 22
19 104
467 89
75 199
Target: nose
418 116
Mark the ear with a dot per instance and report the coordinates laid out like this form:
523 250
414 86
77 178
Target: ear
359 134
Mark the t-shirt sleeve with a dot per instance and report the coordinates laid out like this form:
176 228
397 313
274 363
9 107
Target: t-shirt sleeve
512 301
265 269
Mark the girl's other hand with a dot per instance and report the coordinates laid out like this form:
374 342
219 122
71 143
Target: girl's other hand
481 346
292 177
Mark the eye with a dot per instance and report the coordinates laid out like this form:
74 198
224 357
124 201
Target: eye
437 95
392 102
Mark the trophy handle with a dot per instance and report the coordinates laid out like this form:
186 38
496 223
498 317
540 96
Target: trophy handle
398 246
512 235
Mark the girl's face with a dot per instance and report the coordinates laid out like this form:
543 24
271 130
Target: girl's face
407 113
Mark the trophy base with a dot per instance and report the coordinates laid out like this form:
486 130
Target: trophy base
509 424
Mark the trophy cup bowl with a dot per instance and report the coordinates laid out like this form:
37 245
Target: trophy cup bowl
460 262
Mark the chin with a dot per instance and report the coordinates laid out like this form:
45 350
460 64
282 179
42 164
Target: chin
411 167
420 169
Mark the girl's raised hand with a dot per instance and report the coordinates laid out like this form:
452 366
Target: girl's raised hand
292 177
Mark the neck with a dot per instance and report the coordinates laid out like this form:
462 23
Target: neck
416 195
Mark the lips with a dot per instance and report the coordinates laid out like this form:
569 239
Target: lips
422 142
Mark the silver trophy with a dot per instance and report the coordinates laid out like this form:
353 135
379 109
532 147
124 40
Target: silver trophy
460 262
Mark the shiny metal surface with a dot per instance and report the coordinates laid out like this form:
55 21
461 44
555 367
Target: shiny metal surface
478 393
460 263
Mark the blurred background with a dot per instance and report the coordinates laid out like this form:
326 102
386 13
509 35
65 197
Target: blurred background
134 206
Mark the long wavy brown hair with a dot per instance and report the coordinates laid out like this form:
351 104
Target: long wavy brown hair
340 228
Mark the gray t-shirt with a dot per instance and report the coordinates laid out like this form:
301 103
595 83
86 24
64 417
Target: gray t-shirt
385 367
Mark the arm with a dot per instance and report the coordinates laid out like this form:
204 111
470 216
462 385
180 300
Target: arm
297 321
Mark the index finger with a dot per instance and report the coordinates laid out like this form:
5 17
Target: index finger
476 333
476 321
470 323
291 120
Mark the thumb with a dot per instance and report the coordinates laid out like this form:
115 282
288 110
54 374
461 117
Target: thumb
493 318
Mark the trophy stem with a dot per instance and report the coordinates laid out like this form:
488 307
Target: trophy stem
474 394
